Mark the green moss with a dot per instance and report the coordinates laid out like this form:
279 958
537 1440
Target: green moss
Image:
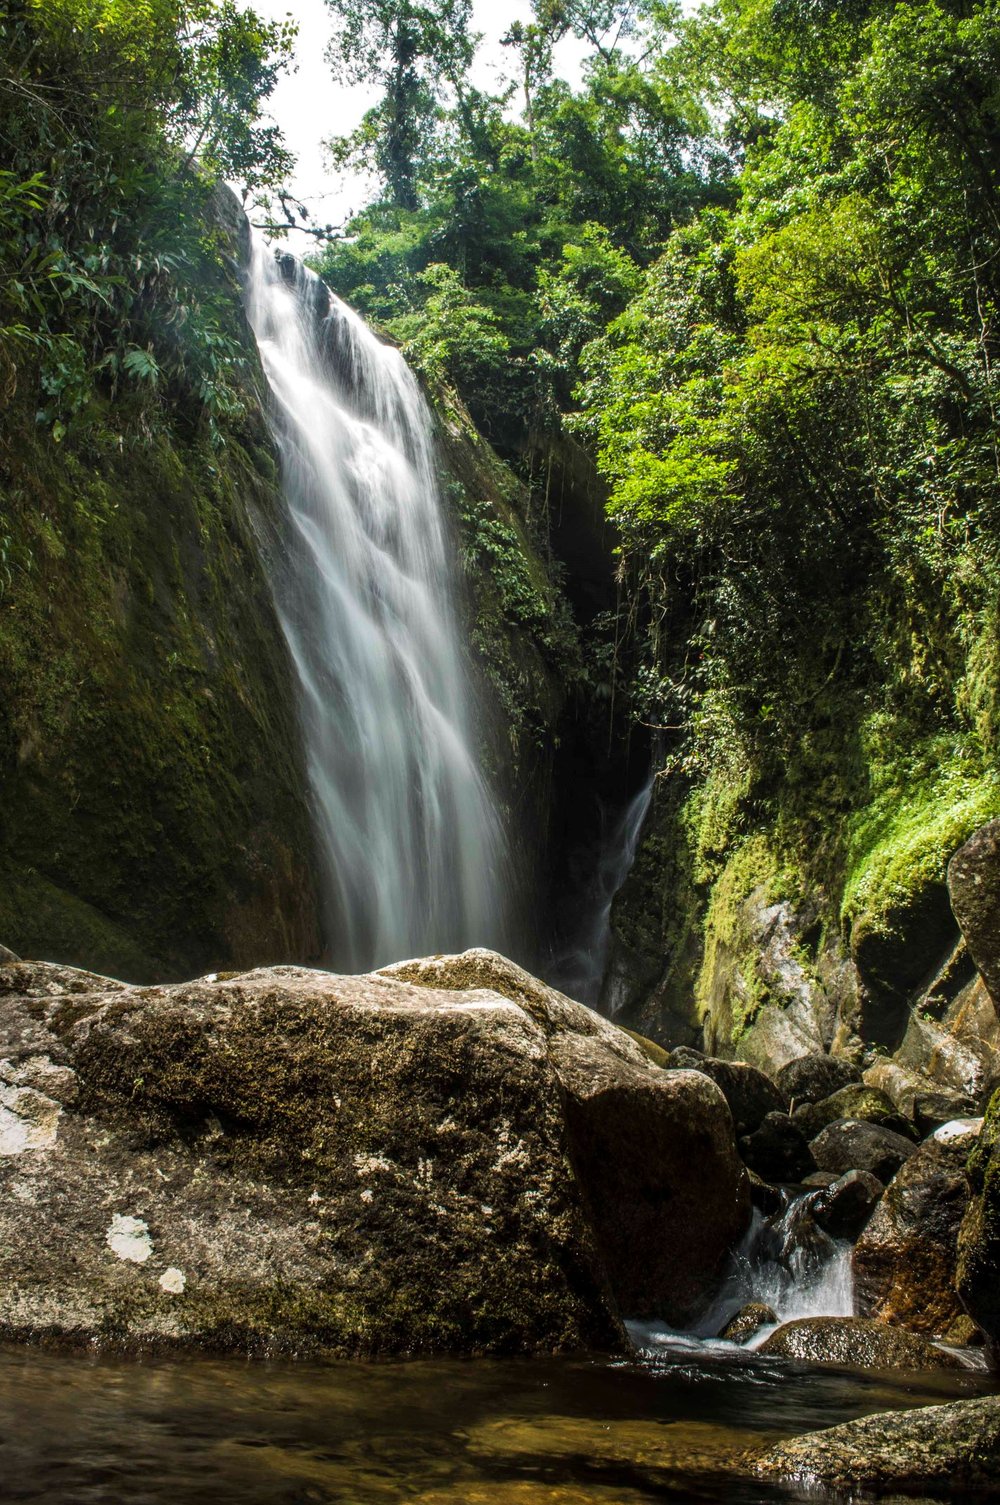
900 843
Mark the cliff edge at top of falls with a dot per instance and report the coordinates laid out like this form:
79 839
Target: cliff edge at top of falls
447 1155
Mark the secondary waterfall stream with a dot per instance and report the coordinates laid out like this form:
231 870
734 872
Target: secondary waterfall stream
410 842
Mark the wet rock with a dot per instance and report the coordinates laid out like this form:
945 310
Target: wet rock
777 1150
750 1094
443 1156
858 1343
844 1207
686 1058
748 1322
820 1179
849 1144
812 1079
954 1049
952 1450
856 1101
974 890
976 1277
766 1198
905 1260
934 1109
6 955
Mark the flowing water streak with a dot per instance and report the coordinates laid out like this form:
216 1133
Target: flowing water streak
409 837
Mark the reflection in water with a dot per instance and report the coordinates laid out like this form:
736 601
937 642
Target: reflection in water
76 1431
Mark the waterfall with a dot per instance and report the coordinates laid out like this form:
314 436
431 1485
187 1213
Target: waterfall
579 970
407 832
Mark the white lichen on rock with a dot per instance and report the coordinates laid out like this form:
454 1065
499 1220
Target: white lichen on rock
172 1281
128 1238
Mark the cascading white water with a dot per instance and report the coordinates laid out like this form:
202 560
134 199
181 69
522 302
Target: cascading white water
579 971
407 830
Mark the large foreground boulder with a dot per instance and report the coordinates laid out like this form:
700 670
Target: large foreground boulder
951 1450
450 1156
904 1262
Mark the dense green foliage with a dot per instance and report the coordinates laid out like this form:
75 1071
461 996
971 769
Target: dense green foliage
752 261
115 120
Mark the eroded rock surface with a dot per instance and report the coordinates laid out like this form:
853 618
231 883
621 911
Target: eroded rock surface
286 1160
974 890
977 1279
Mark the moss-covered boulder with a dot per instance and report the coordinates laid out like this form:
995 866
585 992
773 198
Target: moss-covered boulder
447 1157
857 1101
974 889
904 1261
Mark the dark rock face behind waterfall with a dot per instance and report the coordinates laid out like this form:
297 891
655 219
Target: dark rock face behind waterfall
444 1156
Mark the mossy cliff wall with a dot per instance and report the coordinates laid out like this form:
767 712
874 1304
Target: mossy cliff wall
758 929
153 817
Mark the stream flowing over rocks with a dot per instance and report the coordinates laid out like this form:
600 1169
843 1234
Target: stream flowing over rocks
447 1155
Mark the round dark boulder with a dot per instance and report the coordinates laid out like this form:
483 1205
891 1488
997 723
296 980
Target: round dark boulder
850 1144
810 1079
858 1343
777 1150
843 1209
747 1322
750 1094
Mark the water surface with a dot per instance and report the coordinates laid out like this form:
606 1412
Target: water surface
76 1430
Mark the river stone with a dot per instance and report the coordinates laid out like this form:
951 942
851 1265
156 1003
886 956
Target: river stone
811 1079
850 1144
856 1342
974 890
946 1450
747 1322
290 1161
904 1262
977 1278
858 1101
843 1208
778 1150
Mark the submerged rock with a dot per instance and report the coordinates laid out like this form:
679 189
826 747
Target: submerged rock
812 1079
748 1321
447 1156
843 1208
858 1343
941 1449
905 1261
850 1144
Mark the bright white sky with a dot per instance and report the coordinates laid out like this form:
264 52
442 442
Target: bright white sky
310 107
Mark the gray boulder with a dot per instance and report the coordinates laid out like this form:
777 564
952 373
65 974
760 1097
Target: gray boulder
857 1343
850 1144
905 1260
951 1450
290 1161
974 890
